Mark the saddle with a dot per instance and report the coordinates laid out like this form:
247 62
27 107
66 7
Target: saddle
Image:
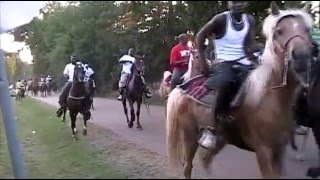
196 90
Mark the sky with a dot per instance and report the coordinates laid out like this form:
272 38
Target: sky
14 13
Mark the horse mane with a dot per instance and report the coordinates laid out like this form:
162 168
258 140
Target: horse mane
258 81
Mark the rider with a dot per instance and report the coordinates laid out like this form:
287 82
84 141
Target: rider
48 79
234 47
127 62
89 75
179 59
19 85
68 73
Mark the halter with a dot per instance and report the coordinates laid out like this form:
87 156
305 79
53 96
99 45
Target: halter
286 61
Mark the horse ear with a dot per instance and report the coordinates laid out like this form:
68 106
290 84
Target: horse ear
307 7
274 8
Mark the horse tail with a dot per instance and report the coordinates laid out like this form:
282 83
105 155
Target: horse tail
172 129
163 90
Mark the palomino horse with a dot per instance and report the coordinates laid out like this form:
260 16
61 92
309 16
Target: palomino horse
134 93
266 131
76 102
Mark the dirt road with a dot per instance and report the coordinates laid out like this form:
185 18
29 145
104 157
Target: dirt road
230 163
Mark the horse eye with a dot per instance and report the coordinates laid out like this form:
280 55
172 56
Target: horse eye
279 32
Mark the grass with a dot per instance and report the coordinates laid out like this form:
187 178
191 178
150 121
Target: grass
49 152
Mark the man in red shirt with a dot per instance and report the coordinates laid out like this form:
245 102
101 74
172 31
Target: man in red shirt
179 59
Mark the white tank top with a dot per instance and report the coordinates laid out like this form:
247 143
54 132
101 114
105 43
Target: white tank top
230 46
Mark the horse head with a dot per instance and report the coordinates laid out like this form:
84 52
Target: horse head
138 67
289 40
79 73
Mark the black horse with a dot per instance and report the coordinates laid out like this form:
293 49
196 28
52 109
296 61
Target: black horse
306 110
76 101
134 92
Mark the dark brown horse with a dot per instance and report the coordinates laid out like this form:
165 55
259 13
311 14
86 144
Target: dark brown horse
307 111
43 89
134 93
268 130
76 102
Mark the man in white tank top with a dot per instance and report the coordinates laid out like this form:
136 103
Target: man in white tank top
234 47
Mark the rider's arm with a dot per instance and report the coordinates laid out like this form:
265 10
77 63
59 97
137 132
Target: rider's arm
66 71
174 57
250 44
212 27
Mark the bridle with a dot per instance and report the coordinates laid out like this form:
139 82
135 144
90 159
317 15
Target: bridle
287 57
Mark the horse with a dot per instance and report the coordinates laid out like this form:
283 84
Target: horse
265 132
307 111
134 93
19 94
92 89
76 102
43 89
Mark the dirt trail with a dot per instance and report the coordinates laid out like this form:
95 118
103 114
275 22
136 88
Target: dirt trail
143 153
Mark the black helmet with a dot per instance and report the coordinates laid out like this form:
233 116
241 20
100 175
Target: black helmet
131 52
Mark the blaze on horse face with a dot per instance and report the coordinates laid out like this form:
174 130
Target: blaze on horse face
292 38
79 73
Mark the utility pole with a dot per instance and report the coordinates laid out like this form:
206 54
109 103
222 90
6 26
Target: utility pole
10 123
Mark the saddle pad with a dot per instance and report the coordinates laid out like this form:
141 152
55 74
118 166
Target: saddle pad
195 90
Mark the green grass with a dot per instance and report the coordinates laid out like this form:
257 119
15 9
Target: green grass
50 152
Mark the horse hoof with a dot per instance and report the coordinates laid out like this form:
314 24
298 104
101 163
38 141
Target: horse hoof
130 125
84 132
139 127
74 138
313 172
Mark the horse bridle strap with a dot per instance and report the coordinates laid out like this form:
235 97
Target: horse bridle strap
286 62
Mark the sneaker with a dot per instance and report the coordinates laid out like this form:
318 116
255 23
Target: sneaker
120 97
207 139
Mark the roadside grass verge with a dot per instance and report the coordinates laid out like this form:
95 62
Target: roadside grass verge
48 148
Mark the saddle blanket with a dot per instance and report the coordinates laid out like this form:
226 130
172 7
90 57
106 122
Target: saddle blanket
195 89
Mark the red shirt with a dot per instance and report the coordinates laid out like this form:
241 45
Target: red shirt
180 53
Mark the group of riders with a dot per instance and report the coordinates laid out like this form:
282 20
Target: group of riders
236 53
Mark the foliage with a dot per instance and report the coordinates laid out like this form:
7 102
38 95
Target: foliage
100 32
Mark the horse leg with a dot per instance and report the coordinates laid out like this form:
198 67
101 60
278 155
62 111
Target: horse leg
64 115
277 160
314 172
124 104
265 156
85 119
133 116
138 114
73 117
190 146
